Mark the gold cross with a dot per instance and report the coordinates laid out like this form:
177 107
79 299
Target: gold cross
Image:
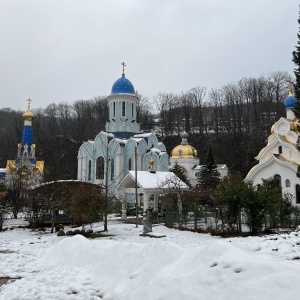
29 100
291 86
123 64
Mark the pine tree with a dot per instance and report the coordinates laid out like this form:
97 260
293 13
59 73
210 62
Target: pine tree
209 178
180 172
296 61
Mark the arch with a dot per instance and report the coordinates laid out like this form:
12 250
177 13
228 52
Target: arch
100 167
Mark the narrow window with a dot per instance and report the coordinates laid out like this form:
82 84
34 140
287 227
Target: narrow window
123 109
114 109
112 171
287 183
297 193
100 168
280 149
129 164
132 110
90 170
278 178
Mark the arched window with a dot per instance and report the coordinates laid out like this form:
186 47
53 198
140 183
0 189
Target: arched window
279 149
90 170
129 164
287 183
278 178
114 110
123 109
100 168
112 170
297 193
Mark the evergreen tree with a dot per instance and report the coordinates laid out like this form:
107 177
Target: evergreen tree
208 179
296 61
229 198
180 172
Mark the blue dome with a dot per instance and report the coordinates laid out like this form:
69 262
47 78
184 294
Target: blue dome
290 102
122 86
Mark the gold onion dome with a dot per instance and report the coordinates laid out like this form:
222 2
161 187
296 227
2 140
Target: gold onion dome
184 150
28 115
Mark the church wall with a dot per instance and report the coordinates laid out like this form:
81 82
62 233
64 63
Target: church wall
164 163
270 170
287 151
118 99
142 146
161 147
130 154
152 141
89 156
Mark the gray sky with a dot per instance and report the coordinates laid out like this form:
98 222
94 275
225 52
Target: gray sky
64 50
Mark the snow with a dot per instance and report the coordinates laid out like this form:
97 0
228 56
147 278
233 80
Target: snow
159 179
125 265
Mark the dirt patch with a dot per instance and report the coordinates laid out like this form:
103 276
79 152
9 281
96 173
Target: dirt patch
6 280
6 251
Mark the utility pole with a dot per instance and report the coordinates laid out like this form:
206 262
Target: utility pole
106 186
136 194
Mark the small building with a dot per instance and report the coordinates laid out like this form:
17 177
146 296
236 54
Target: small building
280 158
185 156
149 185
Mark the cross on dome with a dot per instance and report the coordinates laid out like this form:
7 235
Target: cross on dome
291 86
124 65
29 100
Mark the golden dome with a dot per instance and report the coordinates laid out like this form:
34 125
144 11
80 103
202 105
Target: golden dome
28 115
184 151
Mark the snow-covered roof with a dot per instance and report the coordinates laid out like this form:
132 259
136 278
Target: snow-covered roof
137 139
157 151
108 134
141 135
199 167
157 180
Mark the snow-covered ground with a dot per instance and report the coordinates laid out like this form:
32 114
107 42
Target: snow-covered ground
183 265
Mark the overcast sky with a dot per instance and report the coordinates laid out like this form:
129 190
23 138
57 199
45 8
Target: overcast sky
57 51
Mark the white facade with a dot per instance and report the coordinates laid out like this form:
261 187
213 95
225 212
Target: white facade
114 152
280 158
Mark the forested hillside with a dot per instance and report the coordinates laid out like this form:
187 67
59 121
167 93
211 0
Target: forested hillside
236 119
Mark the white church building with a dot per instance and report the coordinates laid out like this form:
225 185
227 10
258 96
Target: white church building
280 158
121 147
